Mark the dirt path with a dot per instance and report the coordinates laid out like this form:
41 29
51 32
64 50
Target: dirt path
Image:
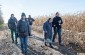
59 50
35 46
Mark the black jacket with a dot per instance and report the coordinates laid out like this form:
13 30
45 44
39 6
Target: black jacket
12 23
23 27
57 21
31 20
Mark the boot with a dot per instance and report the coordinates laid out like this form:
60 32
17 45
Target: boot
51 45
45 44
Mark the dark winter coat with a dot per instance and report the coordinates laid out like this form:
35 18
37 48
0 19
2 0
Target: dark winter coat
56 22
12 23
31 20
23 27
47 27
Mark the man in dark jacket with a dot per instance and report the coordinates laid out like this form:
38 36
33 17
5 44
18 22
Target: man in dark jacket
23 32
12 24
30 20
57 26
47 28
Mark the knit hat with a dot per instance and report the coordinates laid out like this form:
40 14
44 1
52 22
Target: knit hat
23 14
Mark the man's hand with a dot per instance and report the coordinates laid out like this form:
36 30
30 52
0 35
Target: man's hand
15 23
59 21
54 25
45 31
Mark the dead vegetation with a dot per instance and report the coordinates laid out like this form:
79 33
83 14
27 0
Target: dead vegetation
73 29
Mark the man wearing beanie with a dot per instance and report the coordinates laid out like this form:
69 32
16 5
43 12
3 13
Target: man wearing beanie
23 32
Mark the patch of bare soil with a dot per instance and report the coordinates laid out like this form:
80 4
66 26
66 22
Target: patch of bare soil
6 46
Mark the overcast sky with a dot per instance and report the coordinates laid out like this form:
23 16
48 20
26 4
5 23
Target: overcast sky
40 7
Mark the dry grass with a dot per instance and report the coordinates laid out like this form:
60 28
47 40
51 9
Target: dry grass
73 25
74 22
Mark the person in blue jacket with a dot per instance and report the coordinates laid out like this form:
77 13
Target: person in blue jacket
47 28
12 24
57 26
23 33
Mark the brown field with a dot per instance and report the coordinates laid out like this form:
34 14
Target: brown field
73 28
74 22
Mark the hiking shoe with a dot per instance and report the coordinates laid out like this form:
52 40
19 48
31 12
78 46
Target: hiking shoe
12 41
16 43
61 44
45 44
53 40
22 52
51 46
26 53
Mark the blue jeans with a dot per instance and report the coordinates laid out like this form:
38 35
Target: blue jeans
57 30
24 41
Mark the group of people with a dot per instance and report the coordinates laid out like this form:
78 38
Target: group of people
22 29
56 23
